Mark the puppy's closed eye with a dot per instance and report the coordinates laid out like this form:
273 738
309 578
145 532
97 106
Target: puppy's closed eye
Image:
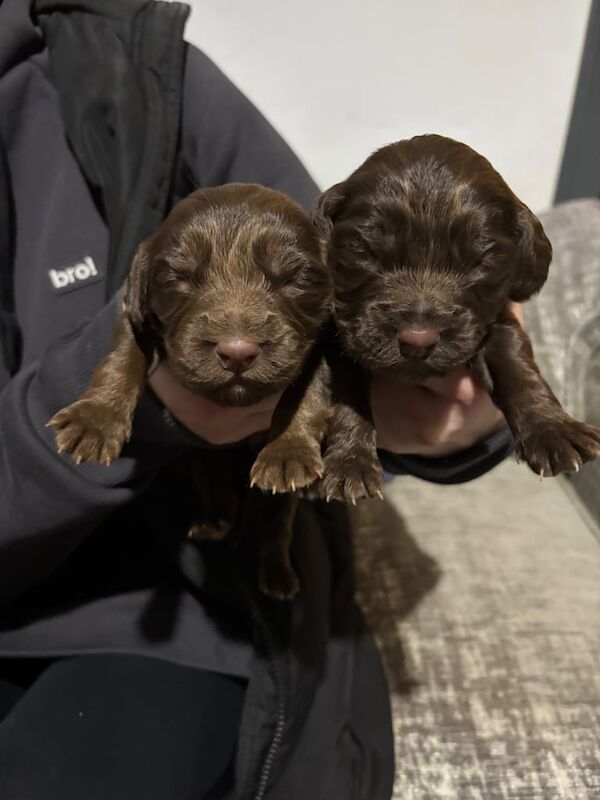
280 260
176 278
292 273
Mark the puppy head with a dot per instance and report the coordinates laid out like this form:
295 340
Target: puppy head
232 290
426 244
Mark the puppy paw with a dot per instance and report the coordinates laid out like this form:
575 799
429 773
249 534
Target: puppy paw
209 531
90 430
349 478
562 445
286 465
278 580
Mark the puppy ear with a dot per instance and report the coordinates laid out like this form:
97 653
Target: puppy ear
532 256
145 324
326 208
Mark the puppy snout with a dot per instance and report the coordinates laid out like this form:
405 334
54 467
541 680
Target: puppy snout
418 343
237 355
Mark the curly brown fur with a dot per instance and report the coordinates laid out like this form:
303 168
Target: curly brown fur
427 243
233 266
233 261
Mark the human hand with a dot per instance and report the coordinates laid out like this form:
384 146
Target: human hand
437 417
216 424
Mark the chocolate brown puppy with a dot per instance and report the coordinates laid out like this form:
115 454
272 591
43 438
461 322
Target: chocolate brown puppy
427 245
232 292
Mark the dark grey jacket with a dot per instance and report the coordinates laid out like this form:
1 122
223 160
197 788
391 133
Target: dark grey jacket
92 559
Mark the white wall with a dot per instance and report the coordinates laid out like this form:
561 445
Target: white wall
339 78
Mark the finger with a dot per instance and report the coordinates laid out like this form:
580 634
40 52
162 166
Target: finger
516 309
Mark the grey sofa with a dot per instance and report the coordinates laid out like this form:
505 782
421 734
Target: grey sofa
485 597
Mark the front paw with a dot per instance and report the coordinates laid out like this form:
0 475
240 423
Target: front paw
561 445
352 475
286 465
90 430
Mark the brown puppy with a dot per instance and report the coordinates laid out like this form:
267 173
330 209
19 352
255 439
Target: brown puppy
427 245
232 292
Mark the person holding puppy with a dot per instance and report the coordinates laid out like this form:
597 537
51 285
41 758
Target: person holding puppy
134 663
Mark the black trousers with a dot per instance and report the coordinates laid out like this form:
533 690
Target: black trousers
113 727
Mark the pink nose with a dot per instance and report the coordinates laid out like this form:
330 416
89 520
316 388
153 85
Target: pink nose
417 342
237 355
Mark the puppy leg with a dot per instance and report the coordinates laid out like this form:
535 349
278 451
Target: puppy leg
275 523
352 466
291 459
546 437
216 495
96 426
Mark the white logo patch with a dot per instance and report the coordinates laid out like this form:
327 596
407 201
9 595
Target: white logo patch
84 272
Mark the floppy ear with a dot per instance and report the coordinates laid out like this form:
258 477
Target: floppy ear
145 324
326 207
533 255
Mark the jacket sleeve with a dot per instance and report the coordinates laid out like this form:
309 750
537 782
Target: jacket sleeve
225 139
48 504
466 465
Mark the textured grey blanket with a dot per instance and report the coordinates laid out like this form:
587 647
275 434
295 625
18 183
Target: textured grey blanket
485 597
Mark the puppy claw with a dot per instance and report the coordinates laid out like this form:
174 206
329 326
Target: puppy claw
350 481
561 445
286 466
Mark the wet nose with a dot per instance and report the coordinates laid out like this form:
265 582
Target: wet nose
237 355
418 343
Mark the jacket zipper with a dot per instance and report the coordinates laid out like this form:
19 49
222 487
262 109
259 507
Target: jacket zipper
278 681
277 737
275 660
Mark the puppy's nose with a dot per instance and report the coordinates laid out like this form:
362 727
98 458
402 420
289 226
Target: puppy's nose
237 355
418 343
